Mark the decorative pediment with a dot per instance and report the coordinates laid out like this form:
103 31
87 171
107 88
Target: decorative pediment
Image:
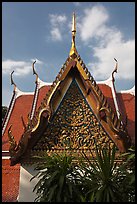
72 115
74 126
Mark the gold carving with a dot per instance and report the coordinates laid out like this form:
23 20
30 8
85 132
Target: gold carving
23 122
12 142
73 52
74 126
42 111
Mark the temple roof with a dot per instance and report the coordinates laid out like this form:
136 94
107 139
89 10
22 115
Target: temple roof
24 124
33 114
126 100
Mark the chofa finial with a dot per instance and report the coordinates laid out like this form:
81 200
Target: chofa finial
115 69
34 72
12 82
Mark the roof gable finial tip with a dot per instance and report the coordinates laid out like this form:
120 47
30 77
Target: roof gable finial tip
73 51
74 23
12 82
34 72
115 69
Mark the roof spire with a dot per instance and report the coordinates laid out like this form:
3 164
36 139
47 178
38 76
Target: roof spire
12 82
73 48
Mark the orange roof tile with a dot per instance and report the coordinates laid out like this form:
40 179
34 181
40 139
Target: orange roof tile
106 90
42 93
10 178
127 107
22 107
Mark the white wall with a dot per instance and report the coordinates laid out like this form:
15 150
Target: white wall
26 193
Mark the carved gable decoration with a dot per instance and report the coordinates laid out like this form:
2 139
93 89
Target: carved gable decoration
73 126
73 115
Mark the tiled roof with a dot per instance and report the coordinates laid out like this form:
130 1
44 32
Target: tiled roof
10 181
127 108
25 104
22 107
74 67
42 93
10 174
107 92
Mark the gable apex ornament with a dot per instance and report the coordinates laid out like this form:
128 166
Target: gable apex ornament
73 52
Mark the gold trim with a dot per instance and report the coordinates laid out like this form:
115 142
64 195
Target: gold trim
73 50
81 70
102 104
74 124
39 116
12 142
53 91
23 122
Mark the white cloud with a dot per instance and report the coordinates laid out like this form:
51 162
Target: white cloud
110 44
57 25
92 23
20 68
56 34
37 61
57 19
124 52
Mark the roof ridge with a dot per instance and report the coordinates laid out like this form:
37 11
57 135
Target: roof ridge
20 93
130 91
7 116
106 81
43 83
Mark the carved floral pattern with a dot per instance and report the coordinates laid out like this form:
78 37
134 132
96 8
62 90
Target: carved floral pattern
74 125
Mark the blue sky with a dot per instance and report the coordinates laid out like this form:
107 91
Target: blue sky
41 31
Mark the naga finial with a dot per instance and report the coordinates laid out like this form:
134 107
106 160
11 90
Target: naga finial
12 141
12 82
115 69
34 72
73 47
23 122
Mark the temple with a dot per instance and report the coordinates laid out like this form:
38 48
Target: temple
70 114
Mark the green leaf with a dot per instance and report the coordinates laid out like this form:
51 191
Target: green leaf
51 193
132 179
92 197
70 189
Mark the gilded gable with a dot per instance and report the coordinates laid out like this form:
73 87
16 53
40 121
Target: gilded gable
73 126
